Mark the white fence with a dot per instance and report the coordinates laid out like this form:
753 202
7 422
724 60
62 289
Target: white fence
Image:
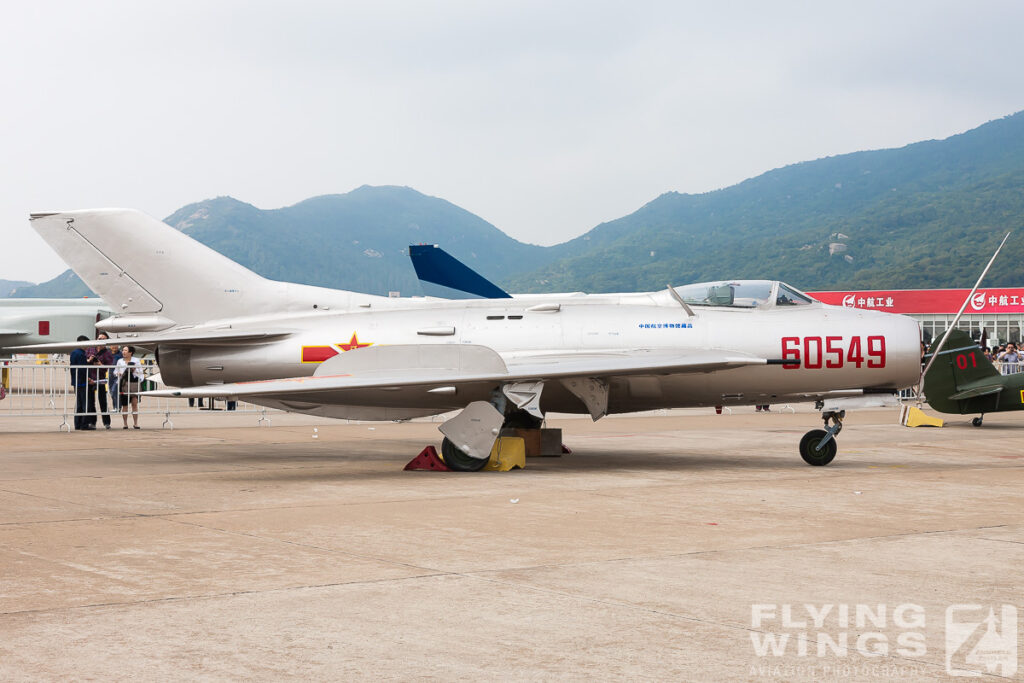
44 388
1009 368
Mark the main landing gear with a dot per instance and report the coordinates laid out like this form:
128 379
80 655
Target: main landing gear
458 460
818 447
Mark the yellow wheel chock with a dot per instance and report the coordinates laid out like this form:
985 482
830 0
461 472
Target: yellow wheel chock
508 453
915 417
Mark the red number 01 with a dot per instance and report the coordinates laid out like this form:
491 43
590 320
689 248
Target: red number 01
961 361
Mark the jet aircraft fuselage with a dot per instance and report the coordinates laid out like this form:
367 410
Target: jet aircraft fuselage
830 348
219 329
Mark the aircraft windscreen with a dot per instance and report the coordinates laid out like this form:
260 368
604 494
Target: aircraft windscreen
787 296
742 294
736 294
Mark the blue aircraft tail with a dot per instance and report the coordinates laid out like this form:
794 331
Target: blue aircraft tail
443 275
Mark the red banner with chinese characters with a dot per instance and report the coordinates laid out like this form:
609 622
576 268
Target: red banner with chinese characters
985 300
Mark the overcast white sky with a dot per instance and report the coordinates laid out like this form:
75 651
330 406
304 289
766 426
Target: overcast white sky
544 118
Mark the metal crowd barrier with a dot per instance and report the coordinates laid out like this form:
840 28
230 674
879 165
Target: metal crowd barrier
1008 368
908 394
43 388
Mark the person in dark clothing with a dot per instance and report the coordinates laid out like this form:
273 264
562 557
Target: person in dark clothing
115 391
84 398
101 356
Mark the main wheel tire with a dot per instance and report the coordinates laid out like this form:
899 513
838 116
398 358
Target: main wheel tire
459 461
809 448
976 422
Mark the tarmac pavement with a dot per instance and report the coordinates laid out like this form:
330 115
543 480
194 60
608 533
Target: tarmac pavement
664 547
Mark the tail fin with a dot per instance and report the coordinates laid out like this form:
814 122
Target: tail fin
140 265
443 275
961 367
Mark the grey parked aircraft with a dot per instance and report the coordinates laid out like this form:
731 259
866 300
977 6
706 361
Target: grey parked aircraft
36 321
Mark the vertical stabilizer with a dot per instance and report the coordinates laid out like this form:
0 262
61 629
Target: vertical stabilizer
140 265
960 367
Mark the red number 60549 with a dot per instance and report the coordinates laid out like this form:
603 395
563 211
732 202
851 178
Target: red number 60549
832 352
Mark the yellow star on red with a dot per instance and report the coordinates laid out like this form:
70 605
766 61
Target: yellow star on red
353 343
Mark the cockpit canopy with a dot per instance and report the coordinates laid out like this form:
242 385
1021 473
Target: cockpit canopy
743 294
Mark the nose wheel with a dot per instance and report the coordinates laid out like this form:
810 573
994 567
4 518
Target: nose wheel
818 447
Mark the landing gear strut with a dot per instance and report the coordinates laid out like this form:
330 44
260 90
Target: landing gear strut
977 421
818 447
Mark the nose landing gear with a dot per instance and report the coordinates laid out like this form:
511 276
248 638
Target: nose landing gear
818 446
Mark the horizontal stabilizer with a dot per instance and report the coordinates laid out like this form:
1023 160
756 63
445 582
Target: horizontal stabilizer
977 391
218 338
443 275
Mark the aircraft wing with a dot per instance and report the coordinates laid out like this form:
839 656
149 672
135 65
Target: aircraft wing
634 362
462 366
211 338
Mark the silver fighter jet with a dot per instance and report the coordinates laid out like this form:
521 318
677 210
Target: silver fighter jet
218 329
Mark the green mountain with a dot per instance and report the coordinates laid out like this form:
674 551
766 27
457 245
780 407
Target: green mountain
7 286
926 215
357 241
67 285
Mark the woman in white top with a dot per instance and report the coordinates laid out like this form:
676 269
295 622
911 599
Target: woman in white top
128 384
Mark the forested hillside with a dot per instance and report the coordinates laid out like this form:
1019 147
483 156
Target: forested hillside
925 215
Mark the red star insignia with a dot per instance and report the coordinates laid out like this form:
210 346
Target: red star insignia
353 343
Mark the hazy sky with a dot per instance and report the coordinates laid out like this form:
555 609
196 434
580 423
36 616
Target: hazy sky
544 118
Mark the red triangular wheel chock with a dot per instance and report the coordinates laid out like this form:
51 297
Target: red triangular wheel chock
428 459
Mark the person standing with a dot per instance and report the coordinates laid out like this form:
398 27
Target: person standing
84 403
103 358
115 391
129 381
1010 359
